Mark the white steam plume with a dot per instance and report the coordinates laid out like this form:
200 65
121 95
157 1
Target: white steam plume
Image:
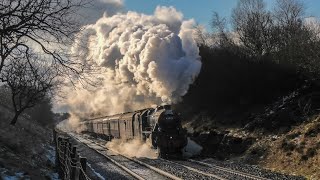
132 148
192 149
145 60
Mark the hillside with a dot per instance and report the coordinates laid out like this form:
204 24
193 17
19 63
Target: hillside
26 150
282 136
296 152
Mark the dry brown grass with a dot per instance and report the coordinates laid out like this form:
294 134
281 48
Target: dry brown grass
297 152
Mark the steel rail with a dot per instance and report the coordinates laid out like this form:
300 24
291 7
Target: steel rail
195 170
235 172
110 159
157 170
168 175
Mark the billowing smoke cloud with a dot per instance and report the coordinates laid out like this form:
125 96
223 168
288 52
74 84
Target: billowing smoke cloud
132 148
70 125
145 60
137 148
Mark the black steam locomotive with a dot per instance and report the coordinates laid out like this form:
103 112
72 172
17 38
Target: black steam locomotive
160 125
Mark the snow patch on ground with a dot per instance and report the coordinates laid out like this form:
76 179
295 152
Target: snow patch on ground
51 154
54 176
6 175
95 172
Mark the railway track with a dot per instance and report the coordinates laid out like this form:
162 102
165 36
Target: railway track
231 171
137 169
195 170
140 169
227 173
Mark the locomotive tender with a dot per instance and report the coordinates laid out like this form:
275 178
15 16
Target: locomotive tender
160 125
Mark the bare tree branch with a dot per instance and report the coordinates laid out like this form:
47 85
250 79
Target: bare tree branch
35 41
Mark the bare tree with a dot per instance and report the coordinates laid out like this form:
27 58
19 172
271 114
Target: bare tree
283 35
289 27
288 18
29 80
201 36
297 42
219 28
289 12
35 36
218 37
253 23
47 25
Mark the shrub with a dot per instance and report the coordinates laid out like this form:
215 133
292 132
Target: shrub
288 146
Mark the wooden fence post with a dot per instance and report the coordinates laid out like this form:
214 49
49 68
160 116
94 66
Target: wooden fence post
54 135
73 162
69 164
83 162
65 157
58 156
69 158
78 169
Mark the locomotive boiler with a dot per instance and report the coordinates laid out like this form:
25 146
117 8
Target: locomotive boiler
161 125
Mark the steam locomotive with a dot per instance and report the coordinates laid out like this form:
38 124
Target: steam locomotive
161 125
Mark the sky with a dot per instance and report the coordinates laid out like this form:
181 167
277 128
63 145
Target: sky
201 10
